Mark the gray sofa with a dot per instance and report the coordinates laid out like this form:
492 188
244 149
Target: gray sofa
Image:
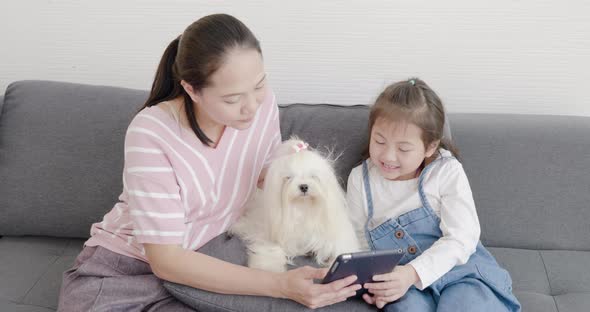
61 160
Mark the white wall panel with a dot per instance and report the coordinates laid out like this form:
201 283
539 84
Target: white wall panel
481 56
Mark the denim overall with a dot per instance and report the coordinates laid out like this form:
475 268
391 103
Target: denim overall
479 285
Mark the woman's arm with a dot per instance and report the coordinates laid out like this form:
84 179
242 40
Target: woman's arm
178 265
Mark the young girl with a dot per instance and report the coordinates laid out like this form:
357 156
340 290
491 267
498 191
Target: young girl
193 154
412 193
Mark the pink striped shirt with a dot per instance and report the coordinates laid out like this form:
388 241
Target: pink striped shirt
177 190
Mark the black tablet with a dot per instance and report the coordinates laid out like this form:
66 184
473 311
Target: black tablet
364 265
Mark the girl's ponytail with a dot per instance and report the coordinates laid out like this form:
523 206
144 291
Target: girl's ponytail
166 85
449 146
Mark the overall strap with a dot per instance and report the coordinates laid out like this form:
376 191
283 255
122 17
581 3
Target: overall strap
367 185
423 198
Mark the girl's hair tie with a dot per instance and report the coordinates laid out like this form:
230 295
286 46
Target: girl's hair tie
412 82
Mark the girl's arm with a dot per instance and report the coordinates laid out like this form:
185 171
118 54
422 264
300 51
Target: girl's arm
178 265
355 200
459 225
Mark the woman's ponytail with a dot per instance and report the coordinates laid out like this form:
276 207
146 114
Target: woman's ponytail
166 85
204 46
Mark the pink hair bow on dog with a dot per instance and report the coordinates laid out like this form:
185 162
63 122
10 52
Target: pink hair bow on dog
289 148
300 146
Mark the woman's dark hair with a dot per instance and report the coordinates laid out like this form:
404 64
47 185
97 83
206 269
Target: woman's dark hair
412 101
194 56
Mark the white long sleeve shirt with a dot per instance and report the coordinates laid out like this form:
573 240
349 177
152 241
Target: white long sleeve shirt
449 194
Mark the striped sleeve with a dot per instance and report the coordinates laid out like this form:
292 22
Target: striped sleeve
154 197
274 133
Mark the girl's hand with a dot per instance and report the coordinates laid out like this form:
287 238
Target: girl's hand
298 285
393 285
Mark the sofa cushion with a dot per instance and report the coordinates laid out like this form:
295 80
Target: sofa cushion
567 271
15 307
548 280
31 269
529 176
232 250
61 151
536 302
542 281
572 302
526 268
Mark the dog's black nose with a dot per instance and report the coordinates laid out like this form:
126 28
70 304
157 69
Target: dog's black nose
303 188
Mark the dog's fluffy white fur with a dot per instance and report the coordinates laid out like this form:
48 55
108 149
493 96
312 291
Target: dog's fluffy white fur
300 211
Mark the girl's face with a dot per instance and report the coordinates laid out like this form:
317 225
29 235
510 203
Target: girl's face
235 92
397 149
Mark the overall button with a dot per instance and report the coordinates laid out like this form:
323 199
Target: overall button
412 250
399 234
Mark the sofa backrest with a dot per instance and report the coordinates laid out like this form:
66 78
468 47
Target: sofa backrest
61 155
61 159
530 176
61 151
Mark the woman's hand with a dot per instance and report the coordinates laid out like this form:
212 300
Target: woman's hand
393 285
298 285
260 183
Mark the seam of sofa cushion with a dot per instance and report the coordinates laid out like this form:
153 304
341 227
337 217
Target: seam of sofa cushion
535 249
31 305
532 292
37 282
548 280
201 300
573 292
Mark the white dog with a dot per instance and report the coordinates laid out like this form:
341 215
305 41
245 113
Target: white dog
301 211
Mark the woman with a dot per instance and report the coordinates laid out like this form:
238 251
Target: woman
193 154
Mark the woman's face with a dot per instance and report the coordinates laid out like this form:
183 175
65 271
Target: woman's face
236 91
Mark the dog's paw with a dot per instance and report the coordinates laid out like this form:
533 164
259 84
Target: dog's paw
267 257
324 260
261 264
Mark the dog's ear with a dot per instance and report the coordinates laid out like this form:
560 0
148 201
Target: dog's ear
272 199
335 197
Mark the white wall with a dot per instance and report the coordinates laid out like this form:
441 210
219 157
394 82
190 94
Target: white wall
481 56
